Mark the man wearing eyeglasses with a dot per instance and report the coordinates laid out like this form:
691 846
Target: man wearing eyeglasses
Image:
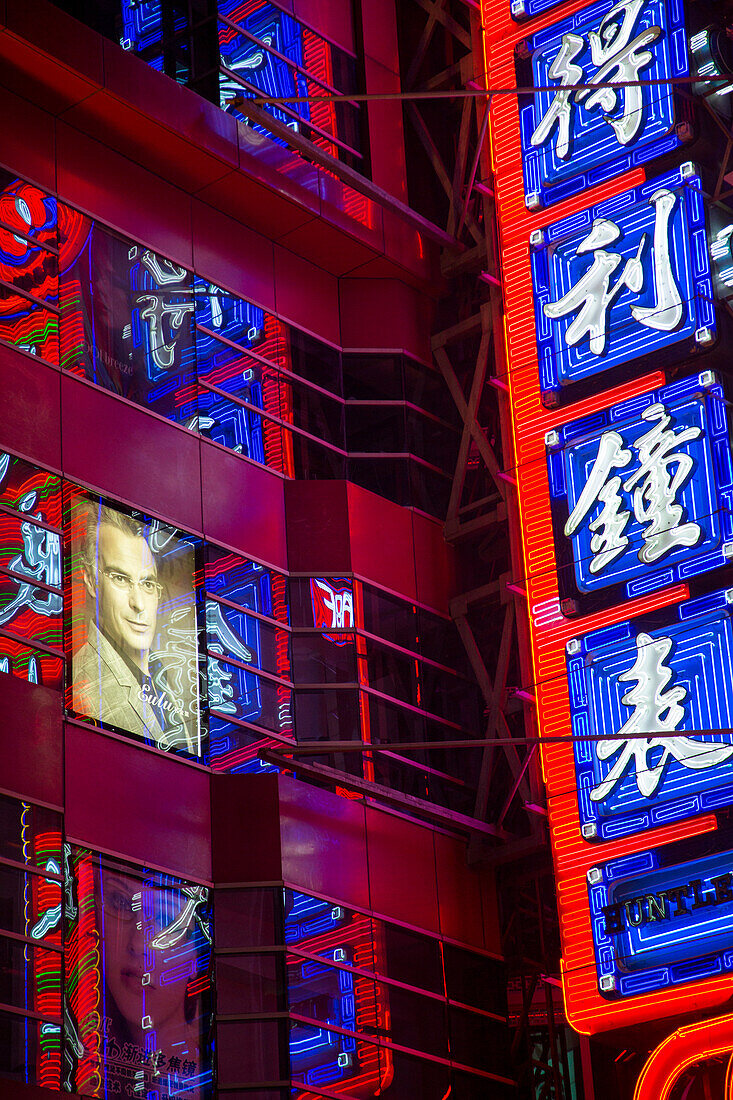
114 680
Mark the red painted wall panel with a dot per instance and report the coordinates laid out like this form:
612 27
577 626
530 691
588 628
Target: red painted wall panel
435 563
386 134
402 879
459 895
318 527
31 407
232 256
29 141
118 449
306 295
78 48
121 193
137 803
331 18
324 847
385 313
380 33
243 506
381 542
31 741
245 828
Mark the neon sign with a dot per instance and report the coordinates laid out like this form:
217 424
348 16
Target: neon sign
642 493
662 674
548 488
657 924
582 133
624 279
333 607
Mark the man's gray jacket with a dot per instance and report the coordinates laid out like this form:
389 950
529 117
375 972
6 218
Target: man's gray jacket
105 687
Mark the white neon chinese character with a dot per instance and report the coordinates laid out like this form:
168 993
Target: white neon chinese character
615 57
657 709
662 473
155 313
655 487
608 540
340 605
593 295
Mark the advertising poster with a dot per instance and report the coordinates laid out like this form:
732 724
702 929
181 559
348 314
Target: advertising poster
137 982
133 625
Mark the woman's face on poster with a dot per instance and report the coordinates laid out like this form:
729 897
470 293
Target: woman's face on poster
133 916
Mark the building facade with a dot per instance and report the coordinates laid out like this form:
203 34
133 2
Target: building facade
258 598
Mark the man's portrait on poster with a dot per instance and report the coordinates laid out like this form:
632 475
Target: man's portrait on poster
136 670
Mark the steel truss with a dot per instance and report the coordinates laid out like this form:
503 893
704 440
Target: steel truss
483 525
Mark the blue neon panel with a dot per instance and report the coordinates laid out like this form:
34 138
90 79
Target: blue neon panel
707 496
701 661
595 152
556 268
666 953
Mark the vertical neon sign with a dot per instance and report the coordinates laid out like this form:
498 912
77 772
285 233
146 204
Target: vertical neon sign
580 325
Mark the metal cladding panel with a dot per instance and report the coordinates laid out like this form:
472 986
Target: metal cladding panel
31 420
402 873
324 843
115 803
31 743
117 448
243 505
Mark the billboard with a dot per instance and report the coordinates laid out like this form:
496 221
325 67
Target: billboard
132 609
138 959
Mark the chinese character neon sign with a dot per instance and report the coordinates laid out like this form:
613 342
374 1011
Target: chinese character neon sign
622 280
643 492
643 695
577 131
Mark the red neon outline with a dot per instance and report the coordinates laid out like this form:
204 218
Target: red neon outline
682 1049
586 1009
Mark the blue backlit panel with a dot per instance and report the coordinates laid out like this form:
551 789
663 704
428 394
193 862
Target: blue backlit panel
623 280
523 9
657 926
642 493
575 135
637 691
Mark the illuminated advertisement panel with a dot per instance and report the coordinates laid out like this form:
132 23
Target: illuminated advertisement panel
138 958
341 995
248 660
582 133
666 673
31 596
564 600
642 493
132 609
627 278
332 600
658 923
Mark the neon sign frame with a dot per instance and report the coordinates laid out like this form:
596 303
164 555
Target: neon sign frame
701 660
706 499
595 153
560 260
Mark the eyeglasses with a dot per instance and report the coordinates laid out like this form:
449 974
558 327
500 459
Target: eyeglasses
123 583
125 907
